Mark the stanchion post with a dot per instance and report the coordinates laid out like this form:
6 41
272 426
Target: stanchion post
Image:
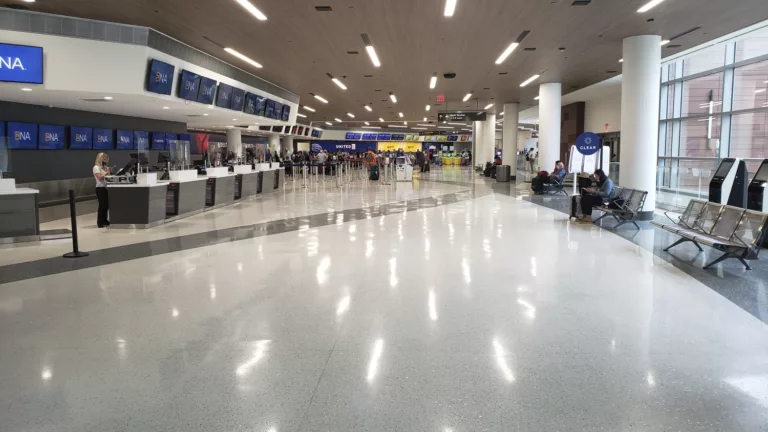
76 252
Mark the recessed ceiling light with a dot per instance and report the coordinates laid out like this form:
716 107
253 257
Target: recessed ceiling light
244 58
350 115
166 107
664 42
367 124
252 9
329 123
427 125
466 98
621 60
433 81
419 128
396 126
536 98
339 83
368 108
529 80
309 109
107 97
234 119
205 114
381 119
373 56
450 8
321 99
501 114
506 53
429 107
650 5
372 127
338 120
489 106
760 91
301 115
445 127
393 97
405 123
400 114
26 89
425 119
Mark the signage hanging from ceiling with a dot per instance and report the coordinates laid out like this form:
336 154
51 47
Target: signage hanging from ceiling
588 143
461 116
21 63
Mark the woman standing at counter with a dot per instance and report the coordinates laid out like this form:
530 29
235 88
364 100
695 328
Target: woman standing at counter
101 170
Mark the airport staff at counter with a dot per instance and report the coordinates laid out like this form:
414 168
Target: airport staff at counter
101 170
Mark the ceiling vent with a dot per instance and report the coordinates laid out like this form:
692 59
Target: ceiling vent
674 46
323 8
377 90
522 36
367 76
529 49
366 39
611 71
581 2
502 73
687 32
353 52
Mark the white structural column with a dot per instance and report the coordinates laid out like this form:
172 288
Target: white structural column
550 107
509 135
274 143
484 137
287 146
235 142
640 88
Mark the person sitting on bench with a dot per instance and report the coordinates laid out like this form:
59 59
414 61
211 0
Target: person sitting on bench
557 176
594 197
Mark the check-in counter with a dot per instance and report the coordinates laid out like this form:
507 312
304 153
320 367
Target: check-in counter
19 214
219 191
185 198
136 205
249 184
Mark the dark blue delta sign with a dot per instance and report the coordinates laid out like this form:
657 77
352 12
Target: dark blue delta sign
588 143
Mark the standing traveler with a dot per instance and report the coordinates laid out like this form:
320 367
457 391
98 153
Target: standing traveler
101 170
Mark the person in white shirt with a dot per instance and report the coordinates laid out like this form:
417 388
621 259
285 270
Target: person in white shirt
101 170
532 159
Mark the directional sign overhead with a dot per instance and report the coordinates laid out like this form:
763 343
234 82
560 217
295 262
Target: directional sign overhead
461 116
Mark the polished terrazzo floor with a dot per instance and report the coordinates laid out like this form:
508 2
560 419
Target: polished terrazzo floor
483 313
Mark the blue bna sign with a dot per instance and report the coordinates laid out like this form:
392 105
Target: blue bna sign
20 63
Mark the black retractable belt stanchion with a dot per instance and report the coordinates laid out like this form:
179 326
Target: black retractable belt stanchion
76 252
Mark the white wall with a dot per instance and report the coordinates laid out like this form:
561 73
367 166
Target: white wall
599 112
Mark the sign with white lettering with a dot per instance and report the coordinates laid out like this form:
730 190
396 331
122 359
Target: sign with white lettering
461 116
588 143
21 63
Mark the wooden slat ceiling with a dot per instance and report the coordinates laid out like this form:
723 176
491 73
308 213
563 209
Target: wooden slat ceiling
298 45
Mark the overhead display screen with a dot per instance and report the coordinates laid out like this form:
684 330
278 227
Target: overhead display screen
238 99
250 103
270 109
189 85
224 97
80 138
141 140
453 138
102 139
21 63
160 77
261 105
384 137
277 113
125 140
159 141
22 135
207 90
369 137
353 136
51 137
286 112
398 137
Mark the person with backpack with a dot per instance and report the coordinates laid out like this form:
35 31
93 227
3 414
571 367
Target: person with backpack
373 167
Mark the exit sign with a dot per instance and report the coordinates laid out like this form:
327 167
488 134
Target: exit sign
440 98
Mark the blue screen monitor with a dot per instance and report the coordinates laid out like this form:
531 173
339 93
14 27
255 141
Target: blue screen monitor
398 137
384 137
141 140
103 139
261 105
22 135
277 113
353 136
369 137
80 138
286 112
21 63
238 99
207 90
125 140
51 137
159 141
224 96
270 112
189 85
160 77
250 103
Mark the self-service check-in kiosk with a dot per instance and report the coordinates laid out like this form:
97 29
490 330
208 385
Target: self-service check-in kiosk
758 188
729 185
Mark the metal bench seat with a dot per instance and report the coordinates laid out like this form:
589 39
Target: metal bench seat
630 205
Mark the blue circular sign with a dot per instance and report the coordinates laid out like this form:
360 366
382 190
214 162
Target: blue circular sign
588 143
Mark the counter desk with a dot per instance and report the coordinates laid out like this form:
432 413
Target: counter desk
19 215
185 198
137 206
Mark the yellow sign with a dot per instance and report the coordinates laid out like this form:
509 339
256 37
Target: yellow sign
387 146
412 147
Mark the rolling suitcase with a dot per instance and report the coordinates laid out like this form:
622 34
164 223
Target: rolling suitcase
576 207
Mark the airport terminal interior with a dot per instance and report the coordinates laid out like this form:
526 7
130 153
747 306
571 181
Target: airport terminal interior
389 215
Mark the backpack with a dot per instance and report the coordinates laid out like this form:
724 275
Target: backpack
374 173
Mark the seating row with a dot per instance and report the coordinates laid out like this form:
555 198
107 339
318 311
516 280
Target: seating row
734 231
625 207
